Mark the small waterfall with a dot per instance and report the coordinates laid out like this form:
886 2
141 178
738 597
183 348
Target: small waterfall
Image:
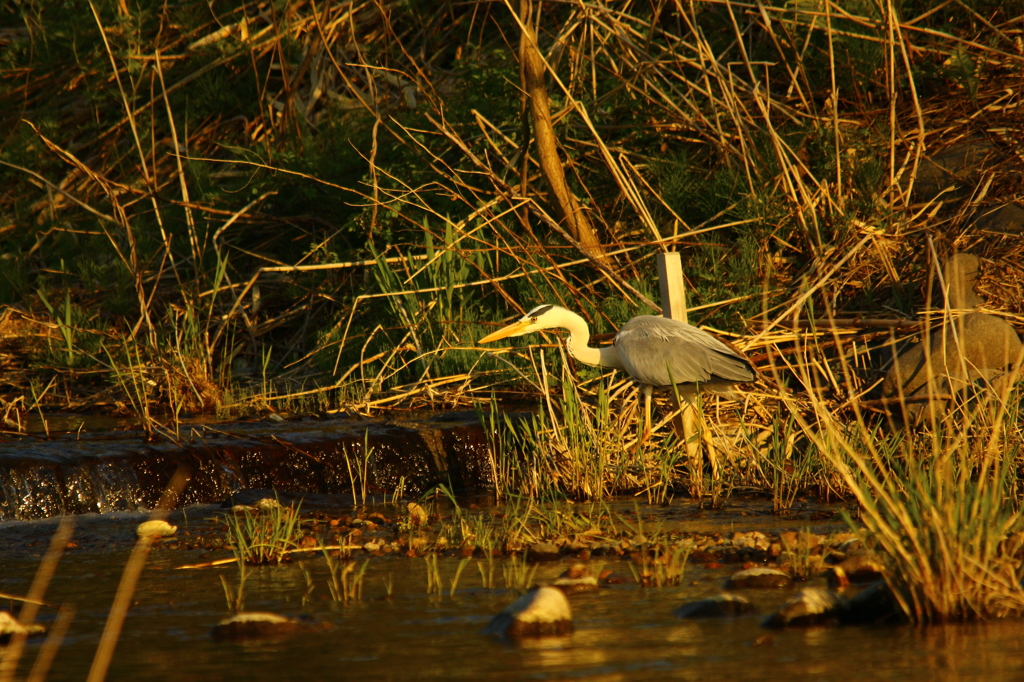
116 471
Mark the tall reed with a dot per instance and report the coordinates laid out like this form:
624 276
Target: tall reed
941 502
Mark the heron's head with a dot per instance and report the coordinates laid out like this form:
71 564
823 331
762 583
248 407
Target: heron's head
542 317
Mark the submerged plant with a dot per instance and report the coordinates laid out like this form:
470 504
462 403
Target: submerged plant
518 574
662 566
359 470
486 573
264 534
345 582
235 596
433 574
458 574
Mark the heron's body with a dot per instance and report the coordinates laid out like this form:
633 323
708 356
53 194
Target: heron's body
660 352
656 352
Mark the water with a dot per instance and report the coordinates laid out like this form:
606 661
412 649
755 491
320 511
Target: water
623 632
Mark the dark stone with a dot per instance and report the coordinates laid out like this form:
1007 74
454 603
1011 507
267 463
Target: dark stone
1008 217
758 578
955 169
576 579
719 606
544 551
263 625
813 606
874 605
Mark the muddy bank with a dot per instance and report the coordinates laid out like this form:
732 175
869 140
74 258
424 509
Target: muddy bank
113 470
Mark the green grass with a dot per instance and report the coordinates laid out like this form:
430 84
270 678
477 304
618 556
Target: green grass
279 173
942 503
263 535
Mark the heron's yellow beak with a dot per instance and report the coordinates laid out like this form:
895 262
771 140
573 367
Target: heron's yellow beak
513 329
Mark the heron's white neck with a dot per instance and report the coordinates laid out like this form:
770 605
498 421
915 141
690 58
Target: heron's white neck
579 335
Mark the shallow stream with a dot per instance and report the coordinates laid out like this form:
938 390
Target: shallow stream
623 631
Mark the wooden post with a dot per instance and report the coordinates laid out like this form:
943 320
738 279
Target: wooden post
673 289
673 306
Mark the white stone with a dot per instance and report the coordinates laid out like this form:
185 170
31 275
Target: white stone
157 529
544 611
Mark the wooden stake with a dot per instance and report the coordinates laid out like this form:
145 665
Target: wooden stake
673 289
673 306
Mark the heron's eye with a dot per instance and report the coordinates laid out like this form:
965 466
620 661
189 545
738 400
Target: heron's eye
533 319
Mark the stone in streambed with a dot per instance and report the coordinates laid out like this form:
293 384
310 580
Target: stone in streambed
818 606
542 612
856 569
155 529
718 606
874 605
9 627
758 578
577 578
544 551
263 625
813 606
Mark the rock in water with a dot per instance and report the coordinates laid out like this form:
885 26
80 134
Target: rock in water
758 578
718 606
874 605
9 626
813 606
817 606
542 612
575 579
856 569
543 551
155 529
263 625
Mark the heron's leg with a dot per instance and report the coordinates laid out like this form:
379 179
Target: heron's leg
709 445
686 427
648 391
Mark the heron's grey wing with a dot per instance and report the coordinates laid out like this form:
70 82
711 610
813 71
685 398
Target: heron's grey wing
658 351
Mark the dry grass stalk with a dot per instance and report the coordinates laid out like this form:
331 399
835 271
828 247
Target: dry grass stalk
129 579
27 615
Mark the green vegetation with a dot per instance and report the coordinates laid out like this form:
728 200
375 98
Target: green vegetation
943 507
345 582
263 535
256 206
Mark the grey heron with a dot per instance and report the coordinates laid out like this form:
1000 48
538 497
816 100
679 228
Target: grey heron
657 352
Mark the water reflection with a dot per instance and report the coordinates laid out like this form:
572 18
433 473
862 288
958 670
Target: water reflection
622 633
